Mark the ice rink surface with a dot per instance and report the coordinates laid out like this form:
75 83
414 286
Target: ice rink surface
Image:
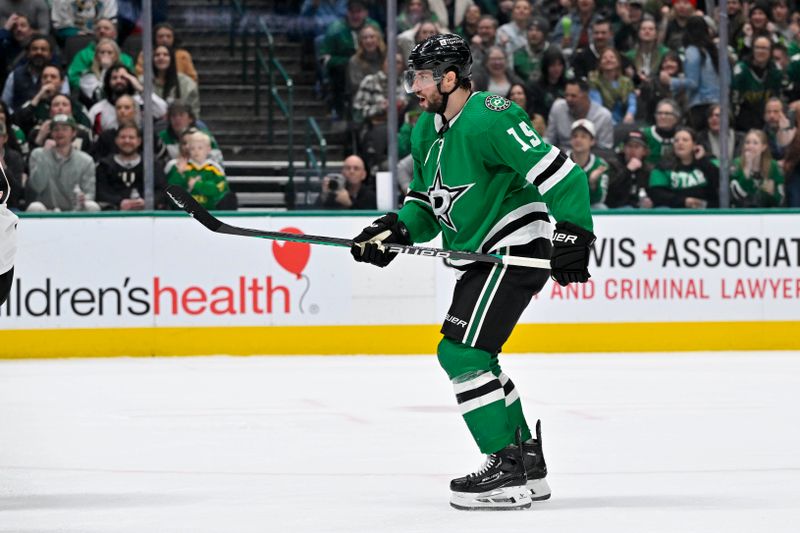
634 443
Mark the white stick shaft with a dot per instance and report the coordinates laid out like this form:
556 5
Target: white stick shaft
526 262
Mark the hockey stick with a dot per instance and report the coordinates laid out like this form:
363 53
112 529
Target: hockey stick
184 200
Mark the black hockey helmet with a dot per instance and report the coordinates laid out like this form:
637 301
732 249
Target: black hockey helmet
439 54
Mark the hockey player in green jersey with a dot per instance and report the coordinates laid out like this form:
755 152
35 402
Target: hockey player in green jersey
484 179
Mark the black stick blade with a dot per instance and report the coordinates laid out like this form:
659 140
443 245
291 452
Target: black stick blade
181 198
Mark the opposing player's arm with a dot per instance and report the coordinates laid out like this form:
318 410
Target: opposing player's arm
8 237
562 183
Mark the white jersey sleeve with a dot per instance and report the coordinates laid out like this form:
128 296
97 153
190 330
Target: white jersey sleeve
8 238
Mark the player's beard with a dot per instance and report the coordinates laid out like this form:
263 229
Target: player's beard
436 106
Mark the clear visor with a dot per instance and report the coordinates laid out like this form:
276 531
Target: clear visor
417 80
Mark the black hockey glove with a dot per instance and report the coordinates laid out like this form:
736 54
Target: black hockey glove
569 262
368 245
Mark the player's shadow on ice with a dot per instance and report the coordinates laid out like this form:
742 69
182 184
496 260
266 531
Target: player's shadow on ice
655 501
88 501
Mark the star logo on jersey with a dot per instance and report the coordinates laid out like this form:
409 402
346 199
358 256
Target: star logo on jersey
444 198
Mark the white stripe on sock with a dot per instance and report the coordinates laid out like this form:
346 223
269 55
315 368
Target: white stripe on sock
481 401
474 383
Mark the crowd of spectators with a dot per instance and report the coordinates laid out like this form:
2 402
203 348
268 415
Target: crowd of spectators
71 113
630 88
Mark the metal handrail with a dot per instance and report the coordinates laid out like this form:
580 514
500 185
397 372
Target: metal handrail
319 165
311 161
271 64
237 10
312 129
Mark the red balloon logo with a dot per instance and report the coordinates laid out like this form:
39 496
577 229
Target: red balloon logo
293 256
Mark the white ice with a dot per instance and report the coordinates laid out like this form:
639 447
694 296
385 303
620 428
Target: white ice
634 443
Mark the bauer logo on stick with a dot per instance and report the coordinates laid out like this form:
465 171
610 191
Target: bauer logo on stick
417 251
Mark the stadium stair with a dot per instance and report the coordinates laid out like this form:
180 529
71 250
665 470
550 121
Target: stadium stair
257 169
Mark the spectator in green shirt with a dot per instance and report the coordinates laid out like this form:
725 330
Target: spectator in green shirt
82 62
203 177
690 180
338 46
757 180
754 81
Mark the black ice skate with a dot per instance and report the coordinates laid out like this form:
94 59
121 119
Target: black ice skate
500 485
535 467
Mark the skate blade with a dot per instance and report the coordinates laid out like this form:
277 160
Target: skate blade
539 489
500 499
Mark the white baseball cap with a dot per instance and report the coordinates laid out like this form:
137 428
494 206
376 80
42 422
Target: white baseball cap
586 125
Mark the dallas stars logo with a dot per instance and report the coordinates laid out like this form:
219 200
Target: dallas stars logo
497 103
443 199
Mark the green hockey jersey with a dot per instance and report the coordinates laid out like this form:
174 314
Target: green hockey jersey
487 179
671 186
793 70
598 192
747 192
750 92
792 88
211 186
659 146
747 86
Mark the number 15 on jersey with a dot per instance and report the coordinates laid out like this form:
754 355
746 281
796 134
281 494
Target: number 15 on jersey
533 138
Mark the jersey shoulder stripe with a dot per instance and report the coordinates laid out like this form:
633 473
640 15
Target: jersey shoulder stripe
557 162
563 171
550 170
542 165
